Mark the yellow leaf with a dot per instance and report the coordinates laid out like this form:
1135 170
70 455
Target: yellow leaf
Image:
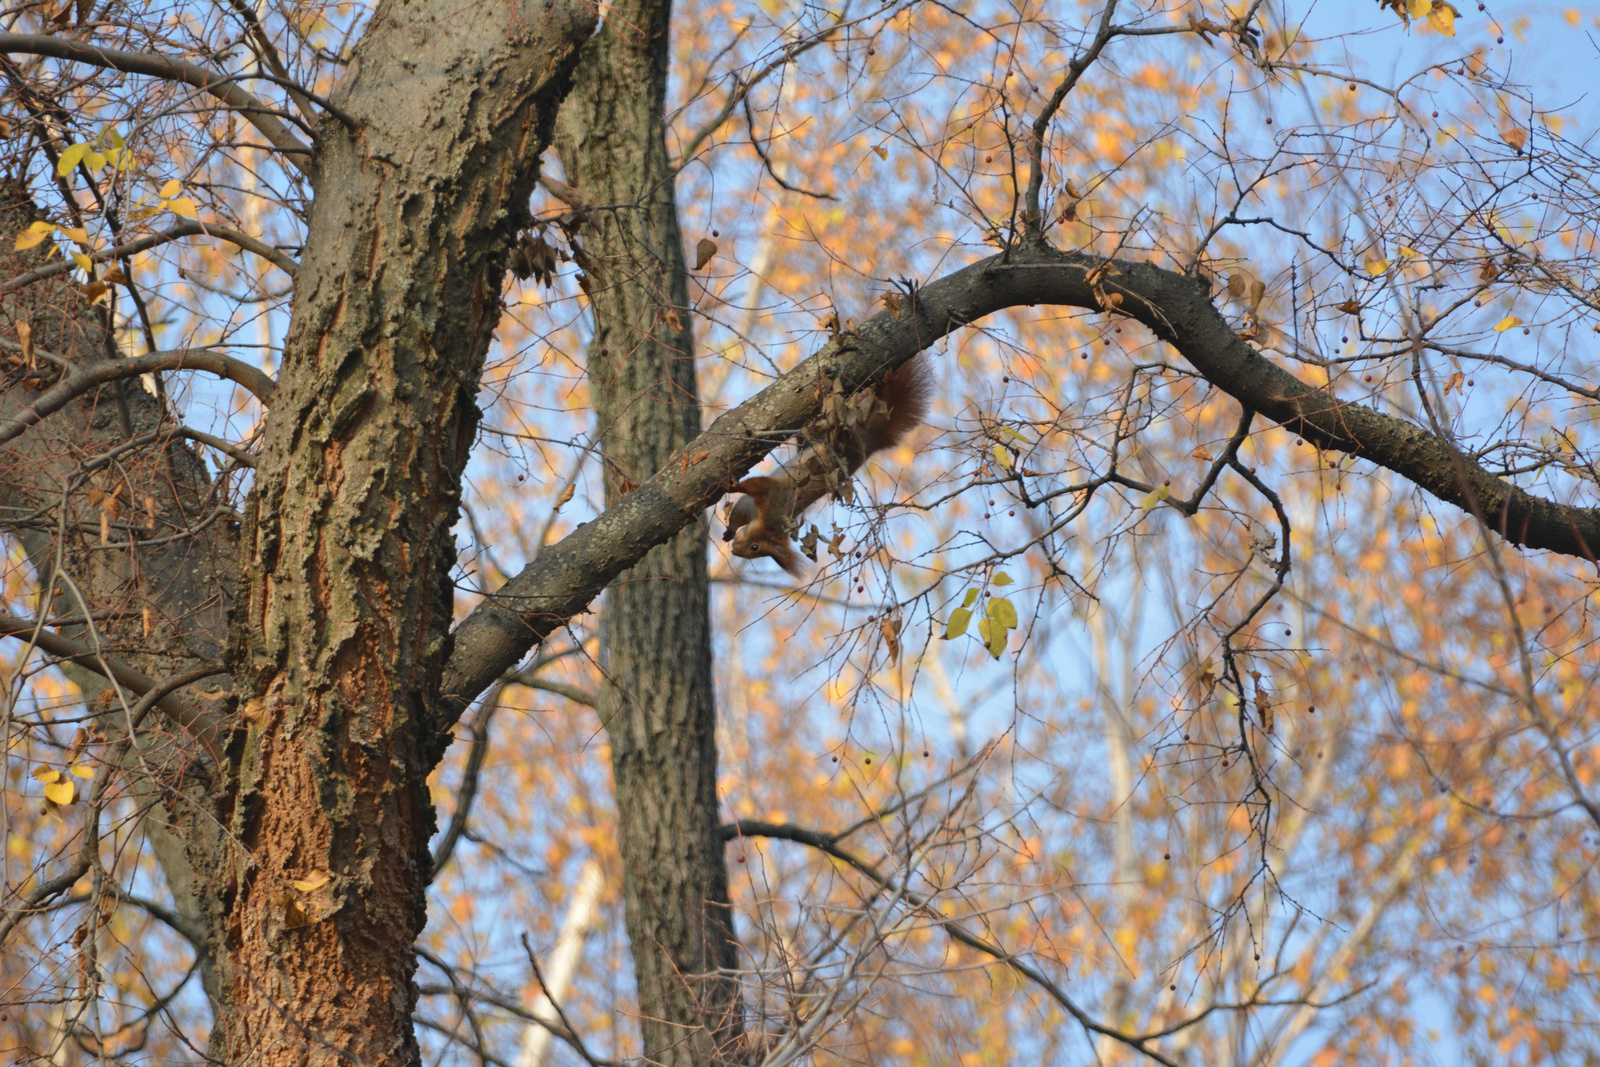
1376 264
994 637
94 160
883 153
32 235
1002 611
77 233
171 189
182 205
959 620
83 770
1002 457
95 290
71 157
1002 578
317 880
83 261
60 793
970 599
46 774
1507 323
1443 19
1155 496
1418 8
1408 252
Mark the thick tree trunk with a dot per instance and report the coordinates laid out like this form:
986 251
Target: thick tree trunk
657 699
346 603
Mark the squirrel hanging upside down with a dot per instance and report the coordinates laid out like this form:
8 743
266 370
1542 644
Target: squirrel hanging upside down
832 448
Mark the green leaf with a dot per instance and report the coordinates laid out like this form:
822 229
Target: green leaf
957 625
1002 611
1001 578
1155 496
1002 457
94 160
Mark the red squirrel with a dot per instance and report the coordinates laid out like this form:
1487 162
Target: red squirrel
832 448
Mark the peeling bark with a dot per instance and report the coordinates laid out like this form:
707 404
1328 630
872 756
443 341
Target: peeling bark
345 608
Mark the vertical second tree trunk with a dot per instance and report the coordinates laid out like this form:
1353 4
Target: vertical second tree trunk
656 701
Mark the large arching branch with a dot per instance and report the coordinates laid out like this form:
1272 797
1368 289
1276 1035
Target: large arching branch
1178 308
222 86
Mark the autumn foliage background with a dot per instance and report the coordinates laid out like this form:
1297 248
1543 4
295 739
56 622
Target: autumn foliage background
1313 799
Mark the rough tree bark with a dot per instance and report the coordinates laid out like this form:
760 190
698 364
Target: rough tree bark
656 700
345 606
